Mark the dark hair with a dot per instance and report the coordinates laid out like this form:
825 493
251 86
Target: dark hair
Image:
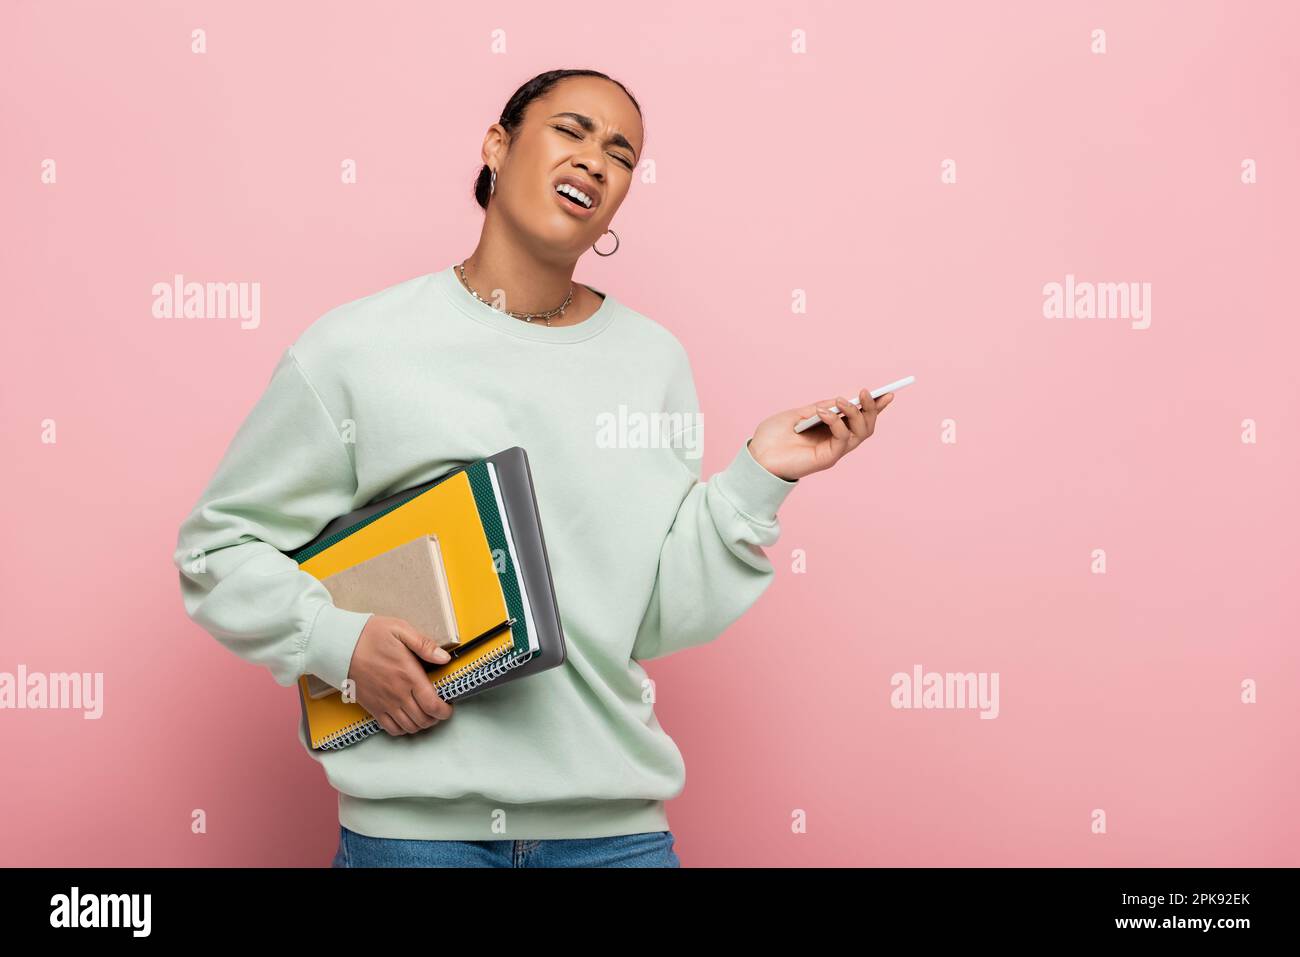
513 115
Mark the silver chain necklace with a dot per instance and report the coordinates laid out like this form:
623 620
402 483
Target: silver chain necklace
526 317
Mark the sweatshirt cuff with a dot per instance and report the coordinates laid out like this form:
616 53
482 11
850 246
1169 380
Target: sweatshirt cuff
755 491
331 641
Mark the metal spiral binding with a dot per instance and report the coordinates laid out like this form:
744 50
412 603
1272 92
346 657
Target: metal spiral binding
353 734
454 689
458 687
452 676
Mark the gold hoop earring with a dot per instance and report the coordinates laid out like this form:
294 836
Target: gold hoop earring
612 251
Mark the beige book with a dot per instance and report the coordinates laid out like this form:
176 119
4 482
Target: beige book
408 582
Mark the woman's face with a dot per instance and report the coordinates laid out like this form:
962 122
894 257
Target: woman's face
584 131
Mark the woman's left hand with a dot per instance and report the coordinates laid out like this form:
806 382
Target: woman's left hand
791 455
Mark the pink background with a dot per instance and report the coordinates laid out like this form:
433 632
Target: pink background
775 172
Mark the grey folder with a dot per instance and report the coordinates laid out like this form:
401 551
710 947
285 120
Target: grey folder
516 482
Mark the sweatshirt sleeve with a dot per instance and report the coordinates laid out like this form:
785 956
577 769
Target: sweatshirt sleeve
285 475
712 566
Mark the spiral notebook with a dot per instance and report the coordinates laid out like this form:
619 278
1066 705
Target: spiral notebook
486 519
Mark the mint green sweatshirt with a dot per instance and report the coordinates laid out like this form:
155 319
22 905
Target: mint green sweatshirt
396 388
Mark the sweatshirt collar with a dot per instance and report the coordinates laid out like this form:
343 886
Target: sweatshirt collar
448 282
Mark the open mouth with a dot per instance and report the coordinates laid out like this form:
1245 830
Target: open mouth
574 196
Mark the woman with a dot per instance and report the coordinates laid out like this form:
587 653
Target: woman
568 766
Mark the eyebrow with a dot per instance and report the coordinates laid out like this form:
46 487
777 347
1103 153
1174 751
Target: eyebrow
588 124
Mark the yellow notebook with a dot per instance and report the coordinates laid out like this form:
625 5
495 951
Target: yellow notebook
449 511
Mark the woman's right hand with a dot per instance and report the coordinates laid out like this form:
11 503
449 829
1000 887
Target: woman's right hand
390 682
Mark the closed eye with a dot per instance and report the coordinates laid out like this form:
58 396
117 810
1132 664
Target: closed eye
577 136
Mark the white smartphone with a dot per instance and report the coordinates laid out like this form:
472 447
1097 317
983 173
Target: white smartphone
812 420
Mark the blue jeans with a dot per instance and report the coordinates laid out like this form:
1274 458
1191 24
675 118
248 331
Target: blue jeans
650 849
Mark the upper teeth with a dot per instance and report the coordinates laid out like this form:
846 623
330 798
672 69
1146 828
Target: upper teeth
576 193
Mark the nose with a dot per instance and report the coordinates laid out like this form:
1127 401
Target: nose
595 174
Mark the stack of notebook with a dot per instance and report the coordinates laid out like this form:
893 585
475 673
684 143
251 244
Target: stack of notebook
407 582
481 519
